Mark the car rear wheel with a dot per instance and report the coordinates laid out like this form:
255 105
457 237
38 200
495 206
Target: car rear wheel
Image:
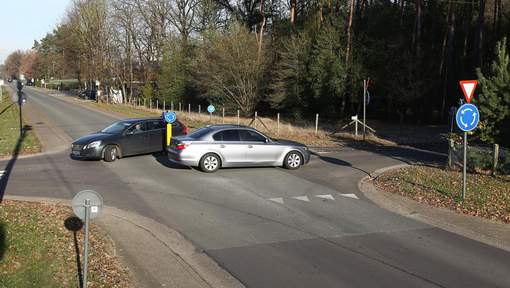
210 163
293 160
110 153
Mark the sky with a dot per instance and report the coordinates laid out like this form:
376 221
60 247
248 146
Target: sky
23 21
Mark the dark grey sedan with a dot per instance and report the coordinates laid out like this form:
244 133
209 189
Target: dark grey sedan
125 138
218 146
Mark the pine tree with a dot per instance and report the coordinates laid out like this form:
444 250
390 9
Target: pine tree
494 100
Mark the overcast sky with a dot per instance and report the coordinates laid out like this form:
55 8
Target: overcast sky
23 21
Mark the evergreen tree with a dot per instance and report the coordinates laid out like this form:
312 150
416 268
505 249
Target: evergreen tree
172 78
494 99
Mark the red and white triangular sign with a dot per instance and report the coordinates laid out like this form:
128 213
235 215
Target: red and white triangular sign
468 87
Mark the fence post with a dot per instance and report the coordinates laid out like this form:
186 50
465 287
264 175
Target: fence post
171 105
278 123
189 109
450 153
496 157
144 102
223 115
150 104
238 122
316 123
199 109
157 104
255 120
164 105
180 107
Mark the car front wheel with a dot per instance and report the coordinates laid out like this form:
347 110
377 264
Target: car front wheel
210 163
293 160
110 153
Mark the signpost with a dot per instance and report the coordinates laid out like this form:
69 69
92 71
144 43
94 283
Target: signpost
170 118
211 110
467 119
87 205
20 101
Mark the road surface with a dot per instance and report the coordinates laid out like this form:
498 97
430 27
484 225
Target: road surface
269 227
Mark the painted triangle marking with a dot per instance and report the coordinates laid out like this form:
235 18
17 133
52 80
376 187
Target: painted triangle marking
353 196
277 200
326 196
302 198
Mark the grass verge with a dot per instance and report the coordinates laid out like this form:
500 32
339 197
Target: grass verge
36 250
9 130
486 196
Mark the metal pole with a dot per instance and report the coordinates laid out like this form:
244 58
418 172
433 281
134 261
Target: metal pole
86 243
20 104
278 124
464 170
210 117
364 108
316 123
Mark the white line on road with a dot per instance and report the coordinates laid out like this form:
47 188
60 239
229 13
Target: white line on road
302 198
326 196
277 200
353 196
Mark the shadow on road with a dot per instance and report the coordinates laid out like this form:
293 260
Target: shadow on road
3 240
10 165
339 162
74 224
163 160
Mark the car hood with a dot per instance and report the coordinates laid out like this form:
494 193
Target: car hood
91 138
289 142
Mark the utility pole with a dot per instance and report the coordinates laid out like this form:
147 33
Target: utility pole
364 108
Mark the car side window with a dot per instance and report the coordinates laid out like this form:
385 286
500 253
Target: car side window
137 128
251 136
227 135
155 125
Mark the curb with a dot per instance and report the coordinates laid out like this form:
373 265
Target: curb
198 265
476 228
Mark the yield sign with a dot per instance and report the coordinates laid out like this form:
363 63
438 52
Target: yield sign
468 87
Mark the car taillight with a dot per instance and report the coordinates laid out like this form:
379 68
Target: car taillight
181 146
185 131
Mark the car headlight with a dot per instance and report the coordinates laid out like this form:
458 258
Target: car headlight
94 144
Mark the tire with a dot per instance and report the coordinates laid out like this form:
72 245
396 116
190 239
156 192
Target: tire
293 160
111 153
210 163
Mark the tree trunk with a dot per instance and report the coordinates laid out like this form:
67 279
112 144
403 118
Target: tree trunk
292 12
479 34
349 34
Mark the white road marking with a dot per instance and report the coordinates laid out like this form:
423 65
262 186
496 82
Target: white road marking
277 200
302 198
353 196
326 196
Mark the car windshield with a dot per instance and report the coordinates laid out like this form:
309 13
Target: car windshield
199 133
116 128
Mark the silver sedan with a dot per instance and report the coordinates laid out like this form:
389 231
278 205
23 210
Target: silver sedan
216 146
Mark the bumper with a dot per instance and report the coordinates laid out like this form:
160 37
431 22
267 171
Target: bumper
177 157
90 154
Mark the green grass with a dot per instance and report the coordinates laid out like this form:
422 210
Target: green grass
36 250
486 196
9 130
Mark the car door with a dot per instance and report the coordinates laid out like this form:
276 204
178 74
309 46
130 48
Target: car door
228 144
260 150
157 132
136 139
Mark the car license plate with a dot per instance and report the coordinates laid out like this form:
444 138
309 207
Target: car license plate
77 153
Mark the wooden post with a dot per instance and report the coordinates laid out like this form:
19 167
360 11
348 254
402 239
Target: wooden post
144 102
189 109
150 104
172 105
164 105
199 109
157 104
278 124
238 120
255 120
180 107
223 115
316 123
496 158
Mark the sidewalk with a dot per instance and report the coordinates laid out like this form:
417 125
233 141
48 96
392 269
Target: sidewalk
480 229
156 255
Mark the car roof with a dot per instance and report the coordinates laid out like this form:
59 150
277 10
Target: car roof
227 126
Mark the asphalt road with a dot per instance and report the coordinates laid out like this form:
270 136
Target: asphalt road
270 227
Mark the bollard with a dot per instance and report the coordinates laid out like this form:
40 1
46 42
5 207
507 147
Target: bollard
496 158
316 123
450 153
278 124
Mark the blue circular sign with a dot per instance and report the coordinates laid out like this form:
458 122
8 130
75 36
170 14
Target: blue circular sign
211 108
467 117
170 117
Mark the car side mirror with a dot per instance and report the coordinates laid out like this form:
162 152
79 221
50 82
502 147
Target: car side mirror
267 140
